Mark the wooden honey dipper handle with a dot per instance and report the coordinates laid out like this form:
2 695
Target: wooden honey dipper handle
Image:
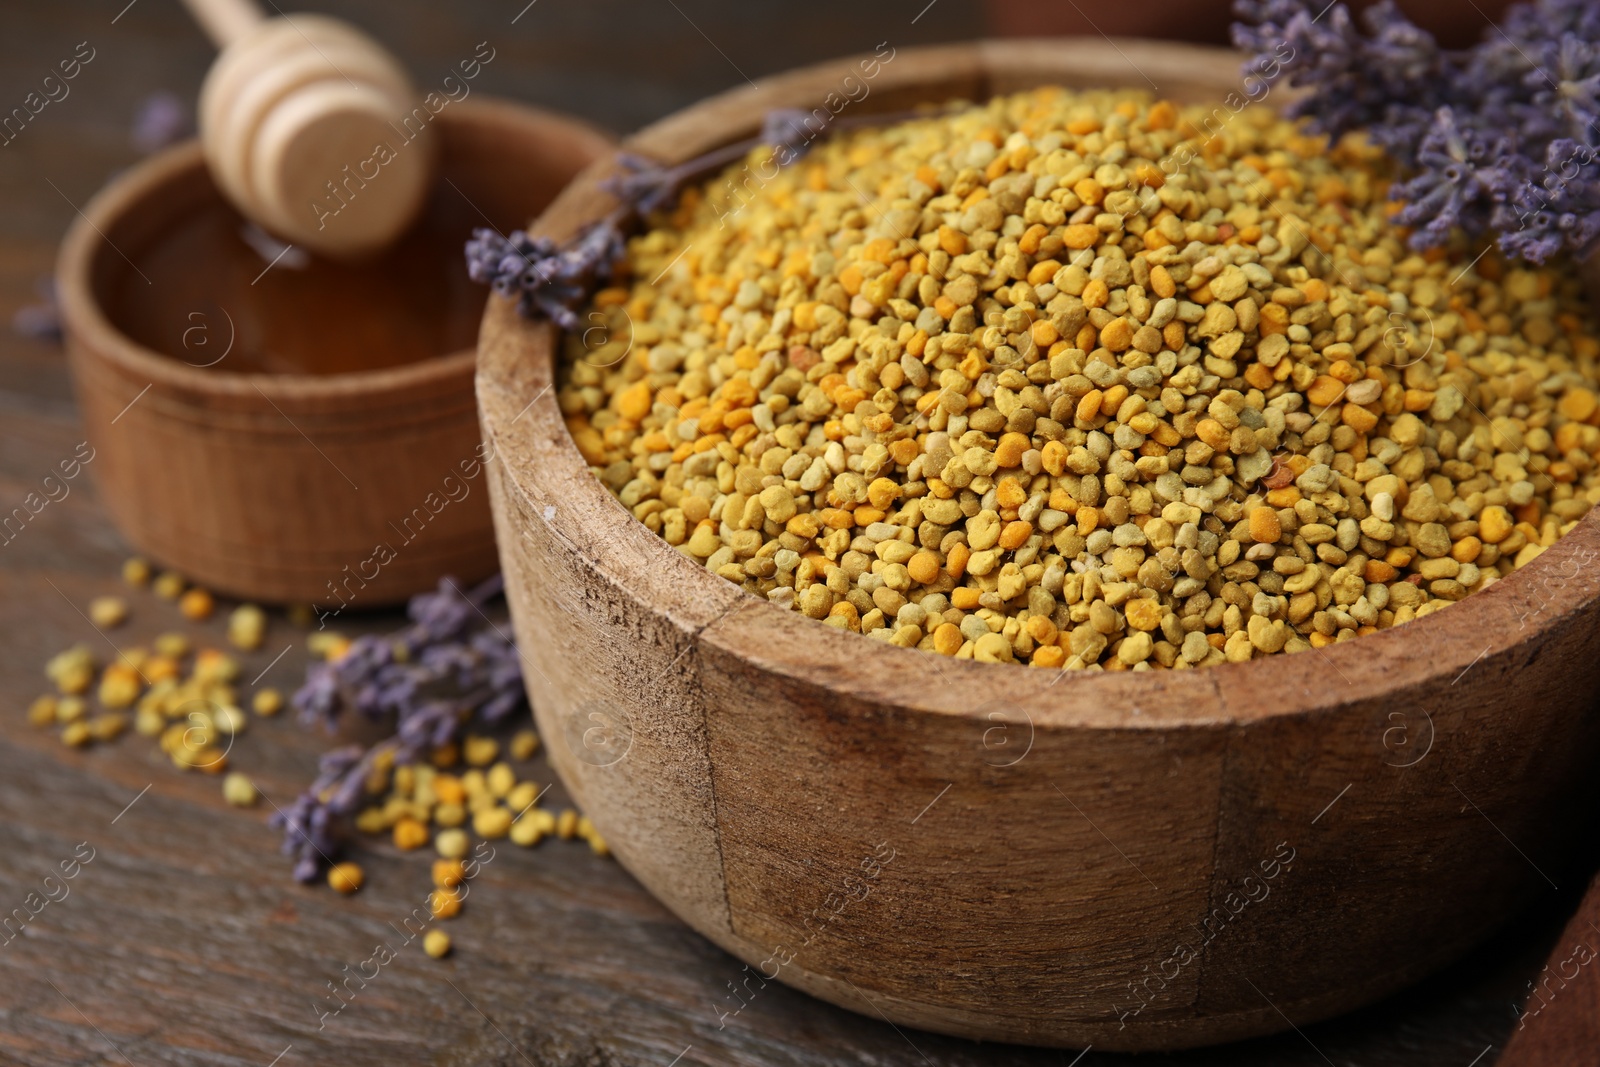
312 129
225 21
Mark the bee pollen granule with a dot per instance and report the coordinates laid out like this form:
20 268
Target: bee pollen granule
1066 380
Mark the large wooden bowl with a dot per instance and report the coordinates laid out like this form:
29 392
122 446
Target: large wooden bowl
1134 861
288 487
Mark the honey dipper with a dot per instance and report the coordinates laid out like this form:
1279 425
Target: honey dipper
303 121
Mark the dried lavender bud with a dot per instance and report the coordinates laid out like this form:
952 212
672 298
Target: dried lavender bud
305 824
163 118
1522 78
1501 137
449 668
41 321
642 183
1556 208
1388 81
1461 172
551 282
791 130
1575 66
554 282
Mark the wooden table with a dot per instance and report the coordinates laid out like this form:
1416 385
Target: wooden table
184 941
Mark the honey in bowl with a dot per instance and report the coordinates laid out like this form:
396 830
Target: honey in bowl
206 294
298 415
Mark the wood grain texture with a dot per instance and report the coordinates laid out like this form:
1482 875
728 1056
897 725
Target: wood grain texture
1133 862
279 487
1560 1020
191 947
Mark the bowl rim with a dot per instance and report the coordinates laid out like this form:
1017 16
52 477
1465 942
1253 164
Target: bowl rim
1440 647
86 241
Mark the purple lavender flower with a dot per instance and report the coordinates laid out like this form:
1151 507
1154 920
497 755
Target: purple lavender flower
1556 206
792 130
1389 80
306 823
163 118
1260 25
1576 72
450 667
1461 173
40 321
555 281
552 282
1478 130
642 182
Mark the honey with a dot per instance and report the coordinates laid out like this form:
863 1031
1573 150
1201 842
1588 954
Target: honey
204 294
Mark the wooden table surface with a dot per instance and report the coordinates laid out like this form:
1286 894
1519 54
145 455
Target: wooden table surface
184 941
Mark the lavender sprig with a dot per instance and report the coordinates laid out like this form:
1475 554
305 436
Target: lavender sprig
1557 206
1460 173
555 281
1500 137
449 668
307 823
1389 81
645 186
163 118
1528 69
551 281
40 321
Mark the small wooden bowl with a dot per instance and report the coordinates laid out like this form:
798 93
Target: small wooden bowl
1133 861
282 487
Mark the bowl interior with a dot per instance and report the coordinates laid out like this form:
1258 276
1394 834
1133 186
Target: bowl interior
180 275
780 641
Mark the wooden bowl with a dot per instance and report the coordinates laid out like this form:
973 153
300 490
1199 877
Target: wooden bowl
291 486
1133 861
